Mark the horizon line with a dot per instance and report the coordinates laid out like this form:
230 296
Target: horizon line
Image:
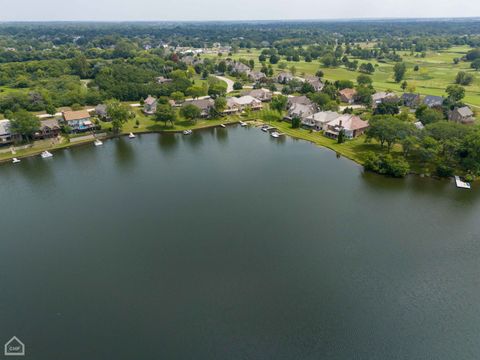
248 20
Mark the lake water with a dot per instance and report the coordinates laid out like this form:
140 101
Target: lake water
228 244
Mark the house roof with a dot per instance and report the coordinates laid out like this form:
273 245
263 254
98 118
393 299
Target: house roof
323 116
419 125
150 100
299 100
259 93
4 127
379 96
464 111
349 122
101 109
432 100
245 100
203 104
76 115
49 123
410 96
301 109
348 93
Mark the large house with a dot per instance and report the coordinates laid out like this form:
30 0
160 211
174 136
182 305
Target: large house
410 100
49 128
239 104
351 125
78 121
301 111
304 100
263 95
284 77
239 68
5 134
205 105
317 84
319 120
433 101
348 95
383 97
462 115
256 75
150 105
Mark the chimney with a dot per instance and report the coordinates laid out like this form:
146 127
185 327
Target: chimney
340 123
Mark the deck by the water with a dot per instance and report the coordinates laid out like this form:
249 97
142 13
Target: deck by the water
461 184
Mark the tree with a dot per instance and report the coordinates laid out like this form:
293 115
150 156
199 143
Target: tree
399 71
341 137
237 85
166 113
220 104
196 91
387 108
455 93
177 96
463 78
118 113
279 103
296 121
24 124
190 112
388 130
320 74
50 109
218 88
429 116
364 80
364 95
367 68
404 86
386 165
475 64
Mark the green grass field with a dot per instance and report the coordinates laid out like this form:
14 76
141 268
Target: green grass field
436 72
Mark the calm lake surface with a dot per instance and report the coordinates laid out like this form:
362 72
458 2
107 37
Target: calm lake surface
228 244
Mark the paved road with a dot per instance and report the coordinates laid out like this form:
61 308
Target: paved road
228 81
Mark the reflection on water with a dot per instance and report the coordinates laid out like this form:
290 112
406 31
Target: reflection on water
168 143
221 135
195 140
124 152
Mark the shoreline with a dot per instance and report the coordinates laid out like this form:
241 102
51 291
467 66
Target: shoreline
255 122
67 145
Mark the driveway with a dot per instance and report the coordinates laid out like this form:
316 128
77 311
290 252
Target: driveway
228 81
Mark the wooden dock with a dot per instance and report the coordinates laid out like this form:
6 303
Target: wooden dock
462 184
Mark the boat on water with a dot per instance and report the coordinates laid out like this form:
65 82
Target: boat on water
131 136
275 134
243 124
46 155
187 132
15 160
223 126
462 184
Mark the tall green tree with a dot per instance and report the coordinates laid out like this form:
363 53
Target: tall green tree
166 113
399 71
24 124
118 113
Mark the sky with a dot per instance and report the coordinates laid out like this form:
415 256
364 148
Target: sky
197 10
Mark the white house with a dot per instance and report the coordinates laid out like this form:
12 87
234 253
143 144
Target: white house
319 120
5 134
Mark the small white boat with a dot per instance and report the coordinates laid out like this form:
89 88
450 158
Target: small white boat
46 155
264 129
243 124
223 126
275 134
98 143
462 184
187 132
15 160
131 136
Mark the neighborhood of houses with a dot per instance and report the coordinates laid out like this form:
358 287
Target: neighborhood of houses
331 123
